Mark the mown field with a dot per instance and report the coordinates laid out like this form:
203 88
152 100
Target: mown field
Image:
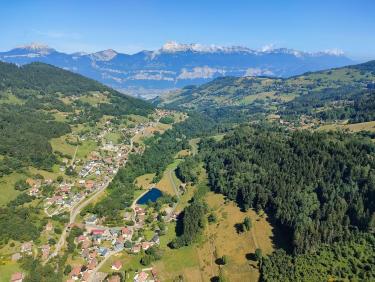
355 127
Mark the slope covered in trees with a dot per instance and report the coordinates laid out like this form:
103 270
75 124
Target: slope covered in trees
318 185
352 260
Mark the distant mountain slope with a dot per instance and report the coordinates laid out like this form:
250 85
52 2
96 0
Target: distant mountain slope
341 93
49 79
178 65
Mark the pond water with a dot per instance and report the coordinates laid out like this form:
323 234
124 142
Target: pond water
152 195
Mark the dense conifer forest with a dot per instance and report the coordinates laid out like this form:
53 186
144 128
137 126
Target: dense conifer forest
319 186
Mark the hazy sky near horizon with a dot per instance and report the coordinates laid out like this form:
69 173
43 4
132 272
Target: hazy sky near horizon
132 26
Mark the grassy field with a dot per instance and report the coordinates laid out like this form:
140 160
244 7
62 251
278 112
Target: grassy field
221 238
86 147
169 177
7 191
355 127
94 98
199 262
114 137
7 269
130 264
183 261
194 145
144 181
59 144
182 154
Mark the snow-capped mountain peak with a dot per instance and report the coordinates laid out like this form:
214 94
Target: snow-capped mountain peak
36 48
173 47
105 55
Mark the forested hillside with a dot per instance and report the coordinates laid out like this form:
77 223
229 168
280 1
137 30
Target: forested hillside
319 186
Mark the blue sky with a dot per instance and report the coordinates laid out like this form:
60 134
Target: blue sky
131 26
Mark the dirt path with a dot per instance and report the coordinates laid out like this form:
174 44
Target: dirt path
254 237
74 156
170 176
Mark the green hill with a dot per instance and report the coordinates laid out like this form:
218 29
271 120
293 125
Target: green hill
34 96
341 93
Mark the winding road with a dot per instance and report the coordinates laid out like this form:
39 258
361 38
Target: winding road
77 209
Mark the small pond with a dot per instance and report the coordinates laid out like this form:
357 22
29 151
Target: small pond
152 195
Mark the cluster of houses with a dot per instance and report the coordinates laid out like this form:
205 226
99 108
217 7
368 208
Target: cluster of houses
97 242
35 185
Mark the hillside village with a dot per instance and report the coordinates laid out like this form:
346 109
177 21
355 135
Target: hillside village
95 241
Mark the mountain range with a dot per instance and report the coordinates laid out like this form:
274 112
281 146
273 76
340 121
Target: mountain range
174 65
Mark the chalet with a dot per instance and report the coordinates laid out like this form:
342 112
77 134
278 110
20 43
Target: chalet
32 183
68 203
107 234
139 210
140 277
26 247
94 156
75 273
120 240
93 254
136 248
155 275
17 277
85 277
48 181
103 251
81 238
49 226
117 265
97 231
92 264
92 220
114 278
85 253
86 244
56 200
64 188
108 160
89 184
146 245
34 191
118 247
126 232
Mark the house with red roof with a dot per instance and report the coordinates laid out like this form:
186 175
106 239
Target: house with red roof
89 184
76 271
117 265
126 233
97 231
17 277
140 277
